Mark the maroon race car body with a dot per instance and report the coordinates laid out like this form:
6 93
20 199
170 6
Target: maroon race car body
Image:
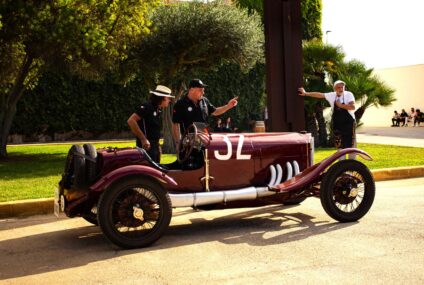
131 197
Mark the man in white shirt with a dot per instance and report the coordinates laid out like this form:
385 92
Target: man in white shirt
342 104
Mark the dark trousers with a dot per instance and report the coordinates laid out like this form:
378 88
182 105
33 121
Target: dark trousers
154 151
395 122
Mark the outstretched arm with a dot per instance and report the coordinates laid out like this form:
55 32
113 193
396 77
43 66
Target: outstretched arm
302 92
221 110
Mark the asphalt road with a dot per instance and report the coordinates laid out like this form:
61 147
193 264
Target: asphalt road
268 245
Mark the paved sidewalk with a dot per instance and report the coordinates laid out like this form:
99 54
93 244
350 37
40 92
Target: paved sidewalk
402 136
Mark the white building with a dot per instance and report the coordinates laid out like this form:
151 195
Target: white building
408 82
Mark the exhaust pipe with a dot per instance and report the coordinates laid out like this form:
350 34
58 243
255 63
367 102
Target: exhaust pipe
248 193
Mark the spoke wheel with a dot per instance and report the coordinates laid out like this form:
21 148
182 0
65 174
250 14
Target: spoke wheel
134 212
347 191
187 143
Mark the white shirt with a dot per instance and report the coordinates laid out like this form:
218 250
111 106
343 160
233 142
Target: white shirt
345 98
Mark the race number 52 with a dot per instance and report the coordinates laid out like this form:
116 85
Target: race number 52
229 153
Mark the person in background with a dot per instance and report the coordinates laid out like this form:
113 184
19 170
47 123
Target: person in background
228 126
342 103
395 119
145 122
218 126
412 116
404 118
418 117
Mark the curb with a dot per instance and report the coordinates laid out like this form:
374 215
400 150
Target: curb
25 208
398 173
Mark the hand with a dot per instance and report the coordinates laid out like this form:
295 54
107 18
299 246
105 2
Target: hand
233 102
338 104
301 91
145 144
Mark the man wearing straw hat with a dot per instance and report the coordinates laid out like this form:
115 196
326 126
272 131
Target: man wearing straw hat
145 122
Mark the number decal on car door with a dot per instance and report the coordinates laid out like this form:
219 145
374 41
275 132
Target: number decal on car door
227 156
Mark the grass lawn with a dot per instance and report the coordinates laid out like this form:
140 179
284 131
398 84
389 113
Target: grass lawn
33 171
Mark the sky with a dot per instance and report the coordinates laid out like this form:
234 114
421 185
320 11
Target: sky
380 33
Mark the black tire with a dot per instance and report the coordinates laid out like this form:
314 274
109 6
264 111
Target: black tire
295 201
90 165
74 176
117 209
347 191
91 216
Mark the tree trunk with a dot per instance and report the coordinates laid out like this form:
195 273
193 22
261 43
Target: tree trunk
9 102
311 126
168 139
322 125
7 115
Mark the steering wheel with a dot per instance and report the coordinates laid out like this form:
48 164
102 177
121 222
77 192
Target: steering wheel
186 144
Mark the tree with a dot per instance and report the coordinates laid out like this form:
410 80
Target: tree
319 61
190 38
311 15
323 64
311 19
367 87
87 37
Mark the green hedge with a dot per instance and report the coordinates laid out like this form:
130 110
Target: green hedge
63 103
229 81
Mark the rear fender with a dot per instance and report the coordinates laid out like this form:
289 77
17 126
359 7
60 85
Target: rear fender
314 173
115 175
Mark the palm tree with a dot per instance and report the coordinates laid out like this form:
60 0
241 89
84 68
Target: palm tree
320 62
324 64
367 87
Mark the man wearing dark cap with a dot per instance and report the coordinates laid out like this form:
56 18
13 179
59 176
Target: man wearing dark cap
145 122
193 107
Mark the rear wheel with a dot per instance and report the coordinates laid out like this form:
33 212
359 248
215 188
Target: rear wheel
347 191
134 212
74 175
91 216
90 163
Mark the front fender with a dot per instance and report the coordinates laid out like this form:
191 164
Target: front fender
113 176
310 174
345 151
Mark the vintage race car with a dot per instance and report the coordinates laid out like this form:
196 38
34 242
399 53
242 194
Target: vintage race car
131 197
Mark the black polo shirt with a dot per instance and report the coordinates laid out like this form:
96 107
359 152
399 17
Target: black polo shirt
186 112
150 123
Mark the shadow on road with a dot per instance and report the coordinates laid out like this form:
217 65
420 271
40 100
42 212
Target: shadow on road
52 251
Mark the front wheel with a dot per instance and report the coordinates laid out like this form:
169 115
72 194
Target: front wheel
134 212
347 191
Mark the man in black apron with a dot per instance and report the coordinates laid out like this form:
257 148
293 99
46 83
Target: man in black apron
343 106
